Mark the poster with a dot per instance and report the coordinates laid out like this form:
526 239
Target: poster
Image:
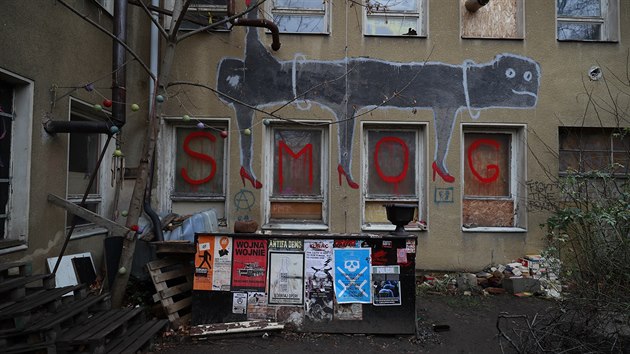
239 303
286 278
285 244
222 271
318 267
204 266
249 264
257 307
352 275
386 285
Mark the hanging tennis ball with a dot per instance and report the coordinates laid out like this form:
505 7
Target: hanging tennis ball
135 228
135 107
266 121
107 103
124 213
97 107
200 125
122 270
224 134
89 87
186 118
117 153
159 98
114 129
247 131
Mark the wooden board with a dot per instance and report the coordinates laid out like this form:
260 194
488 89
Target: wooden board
498 19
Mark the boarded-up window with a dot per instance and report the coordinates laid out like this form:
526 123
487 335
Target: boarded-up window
488 199
391 157
199 166
296 192
498 19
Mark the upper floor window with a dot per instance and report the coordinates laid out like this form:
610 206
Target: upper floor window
300 16
296 160
202 13
393 158
587 20
494 173
585 150
395 18
16 116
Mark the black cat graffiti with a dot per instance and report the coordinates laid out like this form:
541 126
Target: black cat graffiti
345 87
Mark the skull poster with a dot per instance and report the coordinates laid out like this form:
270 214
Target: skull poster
352 275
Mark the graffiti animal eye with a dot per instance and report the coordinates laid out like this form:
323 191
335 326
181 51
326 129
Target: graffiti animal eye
527 76
510 73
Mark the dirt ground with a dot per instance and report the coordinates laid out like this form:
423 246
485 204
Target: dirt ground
446 324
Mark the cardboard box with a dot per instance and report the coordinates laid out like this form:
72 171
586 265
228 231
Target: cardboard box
519 285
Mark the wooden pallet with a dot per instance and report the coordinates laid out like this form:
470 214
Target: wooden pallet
173 281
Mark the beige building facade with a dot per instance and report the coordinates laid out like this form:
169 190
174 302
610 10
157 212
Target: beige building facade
466 112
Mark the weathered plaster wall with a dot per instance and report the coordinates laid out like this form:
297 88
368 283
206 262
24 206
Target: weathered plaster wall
444 246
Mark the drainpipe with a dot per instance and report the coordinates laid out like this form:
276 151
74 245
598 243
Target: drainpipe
146 205
474 5
272 27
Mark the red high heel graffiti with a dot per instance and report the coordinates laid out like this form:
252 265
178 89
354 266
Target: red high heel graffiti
445 176
351 183
246 176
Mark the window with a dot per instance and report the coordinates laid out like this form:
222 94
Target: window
587 20
193 165
84 150
16 115
300 16
296 161
395 18
205 12
494 179
108 5
594 149
393 159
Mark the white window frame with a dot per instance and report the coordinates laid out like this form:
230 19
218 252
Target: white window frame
420 14
609 20
273 11
105 189
201 8
420 173
19 194
269 174
166 155
518 172
107 5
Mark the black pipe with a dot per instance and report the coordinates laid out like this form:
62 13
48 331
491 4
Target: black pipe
272 27
119 57
474 5
81 127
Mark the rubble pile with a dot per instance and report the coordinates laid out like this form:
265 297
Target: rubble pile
525 276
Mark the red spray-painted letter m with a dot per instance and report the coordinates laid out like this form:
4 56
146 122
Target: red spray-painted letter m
307 151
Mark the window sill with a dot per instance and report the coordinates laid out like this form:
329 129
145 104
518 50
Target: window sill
297 227
390 228
494 229
10 246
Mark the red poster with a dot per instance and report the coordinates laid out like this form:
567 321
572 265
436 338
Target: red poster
204 263
249 264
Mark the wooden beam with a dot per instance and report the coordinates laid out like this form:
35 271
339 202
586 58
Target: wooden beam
113 227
